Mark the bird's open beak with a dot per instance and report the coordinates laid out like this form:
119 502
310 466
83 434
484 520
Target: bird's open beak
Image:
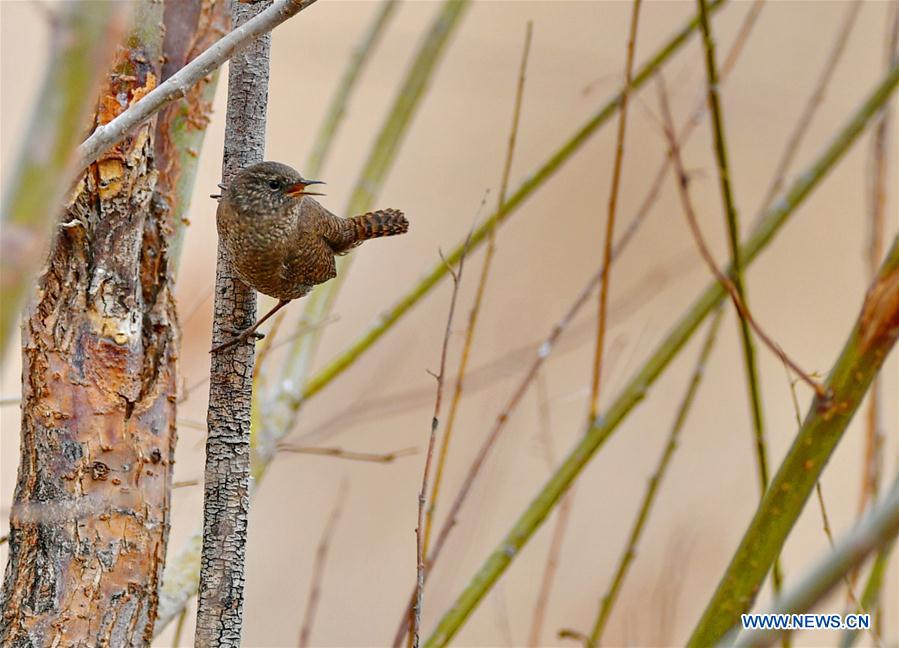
299 189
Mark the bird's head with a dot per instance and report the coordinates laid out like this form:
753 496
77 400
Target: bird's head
268 186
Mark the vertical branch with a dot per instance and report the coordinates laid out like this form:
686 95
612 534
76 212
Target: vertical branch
226 491
83 41
610 219
733 237
479 294
422 495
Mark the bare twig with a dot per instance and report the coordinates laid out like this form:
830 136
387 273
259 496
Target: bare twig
479 296
490 440
318 569
811 106
825 518
435 423
179 83
725 281
340 453
555 544
610 219
627 556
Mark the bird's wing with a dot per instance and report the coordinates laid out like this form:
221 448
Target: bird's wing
310 261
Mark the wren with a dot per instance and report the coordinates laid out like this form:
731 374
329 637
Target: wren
282 242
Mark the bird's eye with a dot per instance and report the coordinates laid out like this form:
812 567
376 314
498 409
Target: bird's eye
274 184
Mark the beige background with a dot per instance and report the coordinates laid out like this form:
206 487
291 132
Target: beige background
806 289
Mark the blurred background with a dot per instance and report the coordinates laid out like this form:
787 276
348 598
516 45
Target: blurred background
805 289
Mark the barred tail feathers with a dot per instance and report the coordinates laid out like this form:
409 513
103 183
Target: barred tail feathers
383 222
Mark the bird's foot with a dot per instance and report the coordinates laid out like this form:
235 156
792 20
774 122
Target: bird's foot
239 336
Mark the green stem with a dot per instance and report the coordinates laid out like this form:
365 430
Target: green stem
733 238
878 529
643 514
863 354
531 519
871 594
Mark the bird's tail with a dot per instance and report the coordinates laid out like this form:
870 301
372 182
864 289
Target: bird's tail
384 222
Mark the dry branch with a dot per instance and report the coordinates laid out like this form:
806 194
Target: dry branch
422 494
610 218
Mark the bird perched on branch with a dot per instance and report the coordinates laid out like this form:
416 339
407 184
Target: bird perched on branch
281 241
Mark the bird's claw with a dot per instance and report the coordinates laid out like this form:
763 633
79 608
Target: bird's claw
239 336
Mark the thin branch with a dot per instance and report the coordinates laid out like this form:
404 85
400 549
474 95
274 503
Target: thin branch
630 550
318 569
726 282
876 530
479 295
178 85
340 453
733 238
534 515
874 334
542 353
815 100
825 518
422 494
555 544
610 219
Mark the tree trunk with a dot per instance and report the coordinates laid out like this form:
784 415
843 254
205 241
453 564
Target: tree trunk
89 523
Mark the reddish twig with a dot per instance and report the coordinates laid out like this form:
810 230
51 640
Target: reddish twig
610 220
479 295
318 569
725 281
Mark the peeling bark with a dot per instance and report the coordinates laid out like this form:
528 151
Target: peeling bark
89 522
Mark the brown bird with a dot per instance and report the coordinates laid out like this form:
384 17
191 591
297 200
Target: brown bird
281 241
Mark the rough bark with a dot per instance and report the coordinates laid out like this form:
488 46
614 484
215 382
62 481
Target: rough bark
89 522
227 475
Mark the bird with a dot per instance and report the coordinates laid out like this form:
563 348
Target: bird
281 241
